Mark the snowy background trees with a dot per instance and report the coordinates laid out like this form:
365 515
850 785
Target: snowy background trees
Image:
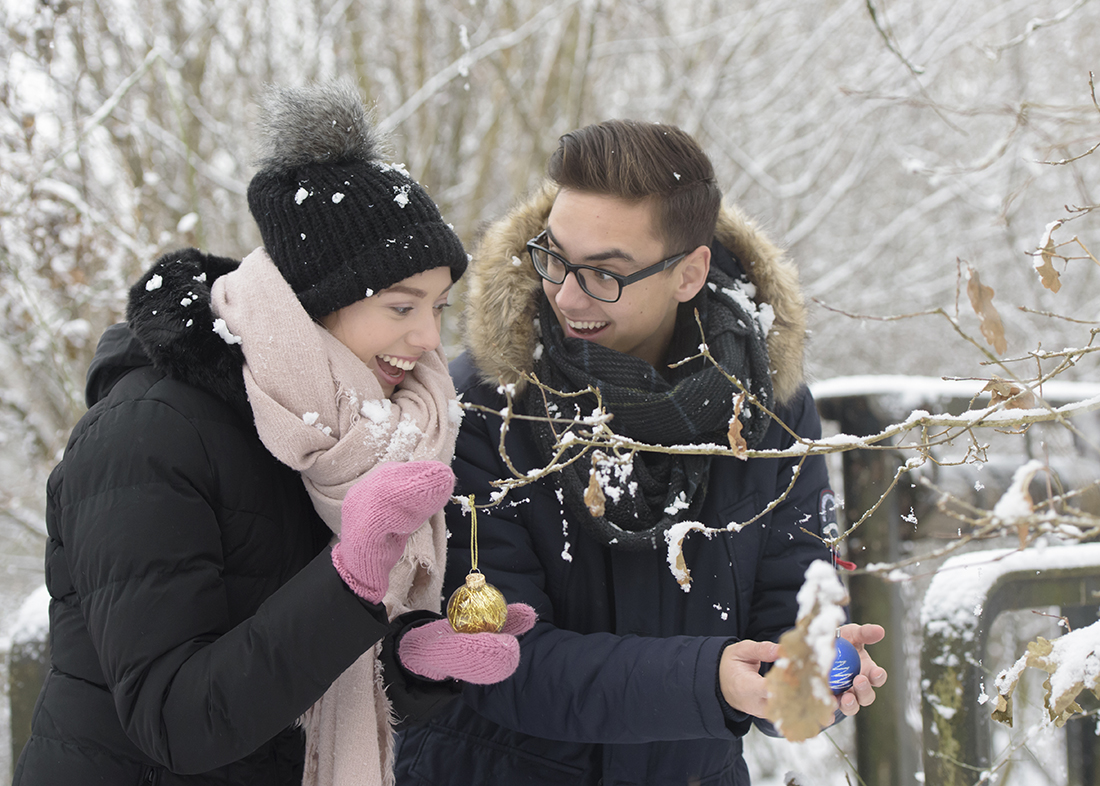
891 146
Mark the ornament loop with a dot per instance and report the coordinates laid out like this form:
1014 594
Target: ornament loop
473 534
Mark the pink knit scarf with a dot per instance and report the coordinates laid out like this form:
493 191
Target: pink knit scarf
320 410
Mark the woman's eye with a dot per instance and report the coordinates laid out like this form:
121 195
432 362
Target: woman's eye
402 310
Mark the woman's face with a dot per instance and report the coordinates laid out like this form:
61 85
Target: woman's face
391 329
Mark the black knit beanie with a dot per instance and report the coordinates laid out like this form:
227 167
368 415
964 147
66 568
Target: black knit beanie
339 223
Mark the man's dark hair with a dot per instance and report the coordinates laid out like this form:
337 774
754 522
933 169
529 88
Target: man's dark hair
638 161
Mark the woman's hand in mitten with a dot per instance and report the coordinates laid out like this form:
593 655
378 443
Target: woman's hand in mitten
436 652
379 513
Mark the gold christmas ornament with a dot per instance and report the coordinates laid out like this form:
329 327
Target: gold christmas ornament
477 607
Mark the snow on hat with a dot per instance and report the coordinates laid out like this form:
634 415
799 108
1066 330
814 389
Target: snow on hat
339 223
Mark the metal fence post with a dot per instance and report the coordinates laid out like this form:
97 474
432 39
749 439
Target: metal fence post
886 751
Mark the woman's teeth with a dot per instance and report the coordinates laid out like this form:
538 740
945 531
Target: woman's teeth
401 363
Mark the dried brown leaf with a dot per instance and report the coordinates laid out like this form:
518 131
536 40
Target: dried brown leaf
684 575
593 496
1059 708
1016 503
1001 390
679 564
981 298
799 699
1002 709
1047 274
675 538
737 442
1041 655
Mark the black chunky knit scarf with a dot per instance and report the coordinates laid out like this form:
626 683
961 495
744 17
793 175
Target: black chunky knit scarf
691 404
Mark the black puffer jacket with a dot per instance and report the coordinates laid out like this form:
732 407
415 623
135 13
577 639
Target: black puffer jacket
195 610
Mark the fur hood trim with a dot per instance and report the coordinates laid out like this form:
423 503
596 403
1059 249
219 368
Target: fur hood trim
502 294
170 315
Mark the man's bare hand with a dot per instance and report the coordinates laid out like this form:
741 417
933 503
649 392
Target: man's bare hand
739 675
871 675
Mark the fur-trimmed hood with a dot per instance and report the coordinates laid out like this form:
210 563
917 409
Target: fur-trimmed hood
503 288
170 316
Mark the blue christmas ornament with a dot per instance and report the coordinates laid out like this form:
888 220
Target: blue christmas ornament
845 667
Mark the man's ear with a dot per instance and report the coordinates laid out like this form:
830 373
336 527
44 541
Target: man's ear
692 273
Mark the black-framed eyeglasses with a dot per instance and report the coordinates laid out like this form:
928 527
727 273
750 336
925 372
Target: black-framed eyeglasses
596 282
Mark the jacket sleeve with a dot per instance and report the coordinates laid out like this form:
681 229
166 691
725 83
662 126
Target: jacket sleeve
144 545
603 688
414 699
574 686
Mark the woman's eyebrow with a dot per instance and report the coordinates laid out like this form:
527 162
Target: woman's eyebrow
404 289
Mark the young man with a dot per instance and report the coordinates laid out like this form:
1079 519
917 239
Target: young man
627 678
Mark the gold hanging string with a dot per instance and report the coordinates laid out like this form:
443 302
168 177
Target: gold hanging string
473 535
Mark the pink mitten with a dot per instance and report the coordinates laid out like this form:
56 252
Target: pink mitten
435 651
379 513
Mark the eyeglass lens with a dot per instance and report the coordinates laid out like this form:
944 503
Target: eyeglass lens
598 286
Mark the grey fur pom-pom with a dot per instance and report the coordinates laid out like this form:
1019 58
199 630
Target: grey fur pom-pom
323 123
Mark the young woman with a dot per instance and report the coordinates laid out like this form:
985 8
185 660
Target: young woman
244 415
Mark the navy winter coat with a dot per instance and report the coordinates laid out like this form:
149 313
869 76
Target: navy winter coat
618 682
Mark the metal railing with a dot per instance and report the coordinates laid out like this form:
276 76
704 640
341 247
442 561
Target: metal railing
966 596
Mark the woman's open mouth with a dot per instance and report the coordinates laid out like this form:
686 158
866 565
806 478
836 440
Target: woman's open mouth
394 368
